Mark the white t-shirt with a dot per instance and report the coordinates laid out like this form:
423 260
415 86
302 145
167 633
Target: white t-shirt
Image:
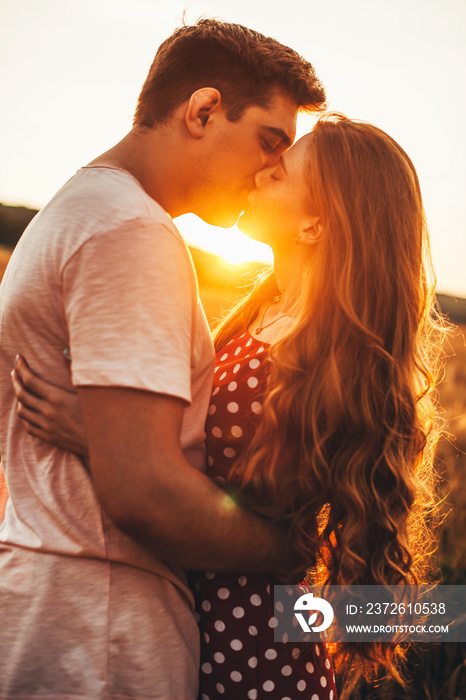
103 273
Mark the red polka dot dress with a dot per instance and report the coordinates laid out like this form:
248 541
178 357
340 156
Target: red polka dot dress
239 658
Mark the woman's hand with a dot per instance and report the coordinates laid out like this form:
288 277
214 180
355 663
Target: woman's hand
47 411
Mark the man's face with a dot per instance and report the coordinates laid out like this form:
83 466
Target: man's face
235 152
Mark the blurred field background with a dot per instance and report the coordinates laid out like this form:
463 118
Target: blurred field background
438 672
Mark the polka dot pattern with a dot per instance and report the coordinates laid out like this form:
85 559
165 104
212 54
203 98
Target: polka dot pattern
236 404
239 657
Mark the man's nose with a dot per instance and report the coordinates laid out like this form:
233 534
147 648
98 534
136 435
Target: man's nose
273 159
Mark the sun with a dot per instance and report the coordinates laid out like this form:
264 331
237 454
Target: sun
230 244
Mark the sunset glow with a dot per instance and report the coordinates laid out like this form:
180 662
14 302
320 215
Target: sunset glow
64 104
230 244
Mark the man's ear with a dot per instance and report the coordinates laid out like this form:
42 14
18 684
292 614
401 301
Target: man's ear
201 106
311 231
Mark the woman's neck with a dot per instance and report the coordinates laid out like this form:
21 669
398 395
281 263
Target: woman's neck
275 316
289 267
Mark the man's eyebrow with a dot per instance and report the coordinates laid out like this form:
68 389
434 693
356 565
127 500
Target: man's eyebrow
282 134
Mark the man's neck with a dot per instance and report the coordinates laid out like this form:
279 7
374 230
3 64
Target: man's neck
152 157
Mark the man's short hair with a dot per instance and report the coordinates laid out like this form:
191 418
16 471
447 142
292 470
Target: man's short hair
242 64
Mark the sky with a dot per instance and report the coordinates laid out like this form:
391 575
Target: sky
71 71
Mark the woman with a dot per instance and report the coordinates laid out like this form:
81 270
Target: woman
320 414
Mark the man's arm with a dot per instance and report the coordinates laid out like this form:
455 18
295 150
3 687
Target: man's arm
152 493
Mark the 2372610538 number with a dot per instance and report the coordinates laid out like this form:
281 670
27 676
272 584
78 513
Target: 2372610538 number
394 608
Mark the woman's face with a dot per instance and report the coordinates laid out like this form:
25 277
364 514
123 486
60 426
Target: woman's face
279 207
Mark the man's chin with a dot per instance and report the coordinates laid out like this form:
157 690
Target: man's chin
221 219
245 225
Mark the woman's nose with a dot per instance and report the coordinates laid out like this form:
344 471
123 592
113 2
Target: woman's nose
259 177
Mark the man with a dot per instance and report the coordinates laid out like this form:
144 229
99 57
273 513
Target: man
100 294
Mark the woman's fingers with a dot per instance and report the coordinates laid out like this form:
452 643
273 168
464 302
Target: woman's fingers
47 411
38 420
26 397
37 432
31 409
32 382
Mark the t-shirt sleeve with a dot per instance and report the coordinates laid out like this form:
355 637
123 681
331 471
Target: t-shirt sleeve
128 296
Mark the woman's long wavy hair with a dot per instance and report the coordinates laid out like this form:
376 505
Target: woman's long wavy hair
346 442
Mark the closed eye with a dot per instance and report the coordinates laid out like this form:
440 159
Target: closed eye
269 146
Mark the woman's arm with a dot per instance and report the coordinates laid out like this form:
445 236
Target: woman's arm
47 411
